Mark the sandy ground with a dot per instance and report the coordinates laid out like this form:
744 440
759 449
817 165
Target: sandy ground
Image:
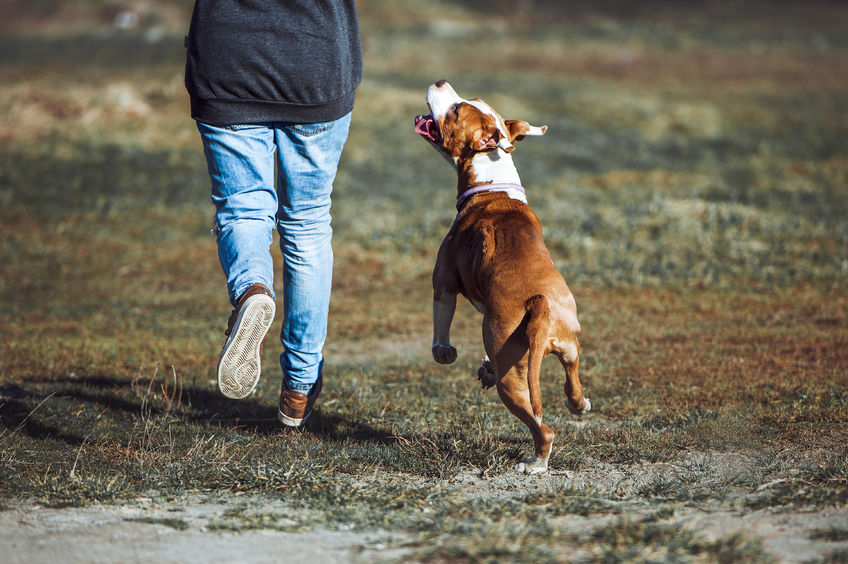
138 532
200 529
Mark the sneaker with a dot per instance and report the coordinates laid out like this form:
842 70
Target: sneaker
240 363
295 407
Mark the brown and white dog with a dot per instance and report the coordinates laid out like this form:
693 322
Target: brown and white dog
494 255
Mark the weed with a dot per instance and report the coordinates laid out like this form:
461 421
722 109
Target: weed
836 556
570 500
796 494
245 519
627 540
174 523
833 472
664 487
832 534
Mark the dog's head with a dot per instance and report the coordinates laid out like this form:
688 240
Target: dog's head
460 129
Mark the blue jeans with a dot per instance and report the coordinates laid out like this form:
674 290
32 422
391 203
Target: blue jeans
250 201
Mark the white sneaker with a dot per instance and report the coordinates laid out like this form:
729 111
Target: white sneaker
240 363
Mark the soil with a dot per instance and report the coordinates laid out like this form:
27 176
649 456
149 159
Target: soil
148 530
195 528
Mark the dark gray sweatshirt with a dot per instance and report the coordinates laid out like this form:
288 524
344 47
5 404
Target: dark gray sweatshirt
251 61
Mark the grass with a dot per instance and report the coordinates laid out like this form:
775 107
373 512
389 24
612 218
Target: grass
692 191
627 541
832 534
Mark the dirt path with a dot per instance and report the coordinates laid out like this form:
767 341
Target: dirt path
237 528
165 532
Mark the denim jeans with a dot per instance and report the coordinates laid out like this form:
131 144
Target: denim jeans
251 200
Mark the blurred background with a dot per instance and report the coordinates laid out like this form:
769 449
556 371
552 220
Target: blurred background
697 145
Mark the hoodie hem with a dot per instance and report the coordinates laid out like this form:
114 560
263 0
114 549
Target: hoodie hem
235 112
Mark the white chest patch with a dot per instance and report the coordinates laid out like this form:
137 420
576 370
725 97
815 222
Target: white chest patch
495 167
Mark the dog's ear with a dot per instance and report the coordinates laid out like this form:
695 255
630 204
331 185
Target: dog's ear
489 138
518 129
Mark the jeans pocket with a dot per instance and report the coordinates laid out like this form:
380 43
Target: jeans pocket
311 129
241 126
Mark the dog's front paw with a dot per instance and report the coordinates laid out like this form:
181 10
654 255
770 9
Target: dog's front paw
444 354
486 374
575 411
532 465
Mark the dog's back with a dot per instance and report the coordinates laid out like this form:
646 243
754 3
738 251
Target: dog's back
496 247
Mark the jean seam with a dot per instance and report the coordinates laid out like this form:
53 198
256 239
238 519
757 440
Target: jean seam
312 129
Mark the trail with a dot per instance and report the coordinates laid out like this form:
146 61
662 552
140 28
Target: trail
220 527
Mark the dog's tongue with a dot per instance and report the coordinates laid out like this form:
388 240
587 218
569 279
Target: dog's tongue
426 127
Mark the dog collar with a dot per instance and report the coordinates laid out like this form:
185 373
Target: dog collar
514 191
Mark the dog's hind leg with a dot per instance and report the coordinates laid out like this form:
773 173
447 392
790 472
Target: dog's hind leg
568 353
513 391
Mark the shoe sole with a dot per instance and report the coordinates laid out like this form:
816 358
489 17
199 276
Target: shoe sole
290 421
240 364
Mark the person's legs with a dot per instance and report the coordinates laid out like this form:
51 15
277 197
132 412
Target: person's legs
308 160
241 166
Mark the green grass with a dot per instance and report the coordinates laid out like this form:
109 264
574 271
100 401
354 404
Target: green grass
174 523
692 188
832 534
646 541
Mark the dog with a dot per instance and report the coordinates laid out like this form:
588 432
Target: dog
495 256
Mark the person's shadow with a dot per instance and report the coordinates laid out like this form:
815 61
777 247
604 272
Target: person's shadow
259 418
26 408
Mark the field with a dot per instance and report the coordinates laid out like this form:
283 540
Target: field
693 188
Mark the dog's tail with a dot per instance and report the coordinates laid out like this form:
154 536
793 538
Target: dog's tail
538 322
